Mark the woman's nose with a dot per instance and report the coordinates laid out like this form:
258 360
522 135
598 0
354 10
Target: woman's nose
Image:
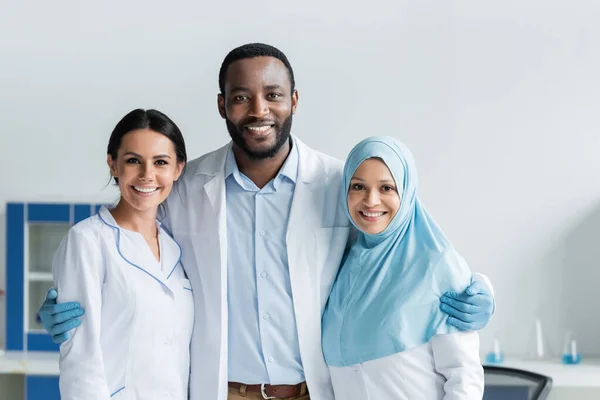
147 174
372 198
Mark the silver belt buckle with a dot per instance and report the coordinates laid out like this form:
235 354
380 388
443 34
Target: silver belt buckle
264 394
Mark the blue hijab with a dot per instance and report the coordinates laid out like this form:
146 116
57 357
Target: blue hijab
386 296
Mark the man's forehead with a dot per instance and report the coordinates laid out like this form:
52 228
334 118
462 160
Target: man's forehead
262 71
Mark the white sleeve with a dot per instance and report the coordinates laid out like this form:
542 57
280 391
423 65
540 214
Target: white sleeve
482 278
78 268
456 357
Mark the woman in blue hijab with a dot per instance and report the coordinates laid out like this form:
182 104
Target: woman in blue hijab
384 336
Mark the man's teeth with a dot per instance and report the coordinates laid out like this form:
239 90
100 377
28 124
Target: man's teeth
260 129
376 214
145 190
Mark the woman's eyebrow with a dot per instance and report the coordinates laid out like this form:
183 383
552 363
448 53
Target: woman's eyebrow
356 178
131 153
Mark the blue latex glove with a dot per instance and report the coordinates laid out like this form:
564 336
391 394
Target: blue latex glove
470 310
59 319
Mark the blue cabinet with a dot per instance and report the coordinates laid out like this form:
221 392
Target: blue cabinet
41 388
33 233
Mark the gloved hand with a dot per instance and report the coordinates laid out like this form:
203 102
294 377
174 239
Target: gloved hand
470 310
59 319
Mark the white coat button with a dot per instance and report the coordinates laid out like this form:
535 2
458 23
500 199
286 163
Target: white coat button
265 316
263 275
270 359
261 233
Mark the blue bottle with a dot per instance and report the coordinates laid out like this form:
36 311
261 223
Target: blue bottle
496 356
570 354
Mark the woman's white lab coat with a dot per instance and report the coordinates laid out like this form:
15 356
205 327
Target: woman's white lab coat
316 237
134 340
447 367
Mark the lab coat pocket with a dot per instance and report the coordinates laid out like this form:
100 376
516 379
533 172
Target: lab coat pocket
119 394
330 246
186 308
185 283
116 376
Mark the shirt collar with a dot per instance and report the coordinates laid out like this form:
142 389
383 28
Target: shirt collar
289 169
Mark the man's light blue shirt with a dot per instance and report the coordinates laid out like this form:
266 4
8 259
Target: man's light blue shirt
263 339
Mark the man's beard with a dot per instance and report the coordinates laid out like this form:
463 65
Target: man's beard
282 135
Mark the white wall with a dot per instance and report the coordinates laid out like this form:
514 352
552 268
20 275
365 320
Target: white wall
498 100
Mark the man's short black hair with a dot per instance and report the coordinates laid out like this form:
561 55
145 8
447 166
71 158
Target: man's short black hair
252 50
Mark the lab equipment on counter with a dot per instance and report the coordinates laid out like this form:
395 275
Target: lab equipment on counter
495 356
570 355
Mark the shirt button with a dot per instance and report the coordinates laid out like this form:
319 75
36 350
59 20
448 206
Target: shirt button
263 275
270 359
266 317
261 233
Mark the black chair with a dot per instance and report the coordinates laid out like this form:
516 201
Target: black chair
515 384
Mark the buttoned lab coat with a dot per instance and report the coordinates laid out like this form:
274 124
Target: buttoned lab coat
134 341
316 237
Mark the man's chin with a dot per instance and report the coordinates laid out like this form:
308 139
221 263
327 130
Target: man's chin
260 153
259 142
259 149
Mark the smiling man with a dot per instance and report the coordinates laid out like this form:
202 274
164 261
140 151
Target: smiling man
263 233
257 130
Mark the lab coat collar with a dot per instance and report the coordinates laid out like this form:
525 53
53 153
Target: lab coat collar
289 170
170 252
312 174
310 167
213 163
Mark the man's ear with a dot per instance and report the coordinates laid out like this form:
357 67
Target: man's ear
294 101
221 105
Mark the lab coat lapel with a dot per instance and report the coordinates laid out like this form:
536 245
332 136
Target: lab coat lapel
304 221
213 221
215 192
170 254
303 218
212 170
131 249
213 189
